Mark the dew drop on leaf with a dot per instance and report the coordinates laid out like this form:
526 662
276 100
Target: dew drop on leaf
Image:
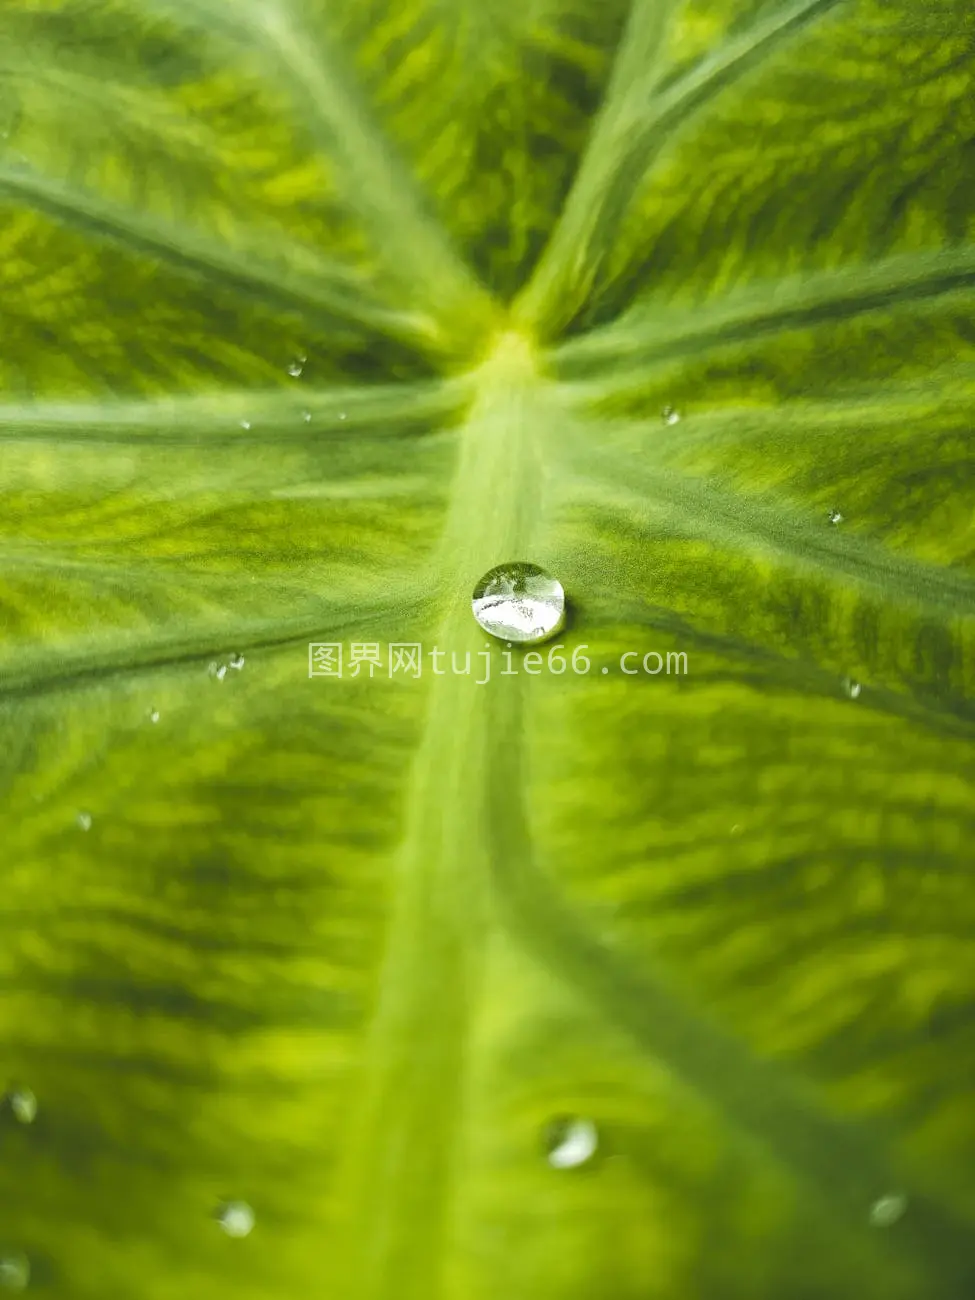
888 1209
296 367
670 416
14 1272
851 687
153 715
835 517
570 1142
219 671
245 424
23 1105
236 1218
519 602
237 662
306 416
83 821
343 415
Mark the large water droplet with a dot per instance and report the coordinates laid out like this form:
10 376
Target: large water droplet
83 821
236 1218
888 1209
570 1142
519 602
23 1104
14 1272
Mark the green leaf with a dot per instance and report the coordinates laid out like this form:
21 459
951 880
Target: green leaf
313 312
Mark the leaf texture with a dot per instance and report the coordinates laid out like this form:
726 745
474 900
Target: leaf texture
313 313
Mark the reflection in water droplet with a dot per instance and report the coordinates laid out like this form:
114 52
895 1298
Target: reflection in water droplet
835 517
83 819
236 1218
14 1272
570 1142
851 687
519 602
888 1209
23 1104
237 662
670 416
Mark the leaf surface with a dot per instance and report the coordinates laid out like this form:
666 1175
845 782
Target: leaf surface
312 314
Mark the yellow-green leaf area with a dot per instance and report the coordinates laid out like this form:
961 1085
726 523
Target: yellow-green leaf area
348 952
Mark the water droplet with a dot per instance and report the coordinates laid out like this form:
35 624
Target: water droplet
219 671
14 1272
520 602
343 415
570 1142
245 424
296 367
888 1209
851 687
604 671
670 416
237 662
83 820
306 416
153 715
835 517
23 1104
736 829
236 1218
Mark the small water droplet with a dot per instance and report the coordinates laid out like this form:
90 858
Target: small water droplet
736 829
343 415
570 1142
520 602
835 517
219 671
236 1218
851 687
14 1272
888 1209
245 424
297 366
153 715
83 820
306 416
604 671
23 1104
237 662
670 416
